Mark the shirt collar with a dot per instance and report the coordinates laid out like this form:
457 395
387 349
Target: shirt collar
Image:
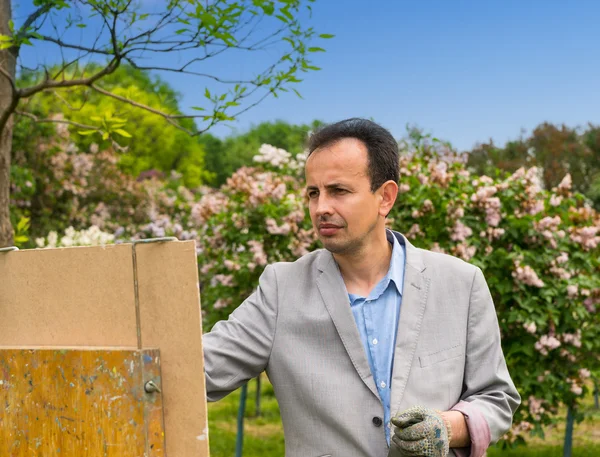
396 271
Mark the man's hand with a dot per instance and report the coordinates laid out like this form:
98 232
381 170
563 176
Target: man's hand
420 432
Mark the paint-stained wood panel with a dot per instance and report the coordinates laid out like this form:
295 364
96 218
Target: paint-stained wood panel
79 403
103 297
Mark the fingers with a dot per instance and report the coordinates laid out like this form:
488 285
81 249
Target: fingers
410 448
409 417
414 432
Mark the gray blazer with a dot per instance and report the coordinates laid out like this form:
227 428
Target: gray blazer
298 326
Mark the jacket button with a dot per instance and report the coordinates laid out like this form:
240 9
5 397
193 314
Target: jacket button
377 421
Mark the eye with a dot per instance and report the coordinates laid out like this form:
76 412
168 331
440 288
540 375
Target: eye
312 193
340 191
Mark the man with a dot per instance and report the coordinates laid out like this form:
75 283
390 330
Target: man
373 347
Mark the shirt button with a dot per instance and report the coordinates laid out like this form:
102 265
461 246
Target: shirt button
382 384
375 341
377 421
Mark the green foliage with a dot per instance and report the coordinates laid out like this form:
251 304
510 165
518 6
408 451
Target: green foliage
224 157
20 232
147 142
56 185
193 30
555 150
539 251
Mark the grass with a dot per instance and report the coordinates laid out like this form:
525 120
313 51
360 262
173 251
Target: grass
263 436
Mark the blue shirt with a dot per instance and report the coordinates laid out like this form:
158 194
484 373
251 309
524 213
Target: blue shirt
376 317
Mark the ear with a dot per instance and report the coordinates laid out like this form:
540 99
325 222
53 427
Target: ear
388 193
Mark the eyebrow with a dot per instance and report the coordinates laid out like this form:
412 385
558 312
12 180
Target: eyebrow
334 185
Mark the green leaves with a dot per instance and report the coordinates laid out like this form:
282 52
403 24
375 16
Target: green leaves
108 126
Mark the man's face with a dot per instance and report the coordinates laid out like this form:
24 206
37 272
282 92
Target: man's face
343 210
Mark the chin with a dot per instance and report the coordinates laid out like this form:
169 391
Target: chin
335 247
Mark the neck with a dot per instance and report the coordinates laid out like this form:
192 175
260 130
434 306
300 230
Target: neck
363 269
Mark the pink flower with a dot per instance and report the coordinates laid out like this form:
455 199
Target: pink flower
414 232
536 207
560 273
483 193
527 275
545 343
222 303
576 389
565 184
548 223
530 328
572 290
224 280
256 247
464 251
586 236
555 200
275 229
460 232
562 258
427 206
436 248
403 188
231 265
535 407
584 373
573 338
206 268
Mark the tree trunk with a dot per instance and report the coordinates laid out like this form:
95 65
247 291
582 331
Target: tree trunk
8 64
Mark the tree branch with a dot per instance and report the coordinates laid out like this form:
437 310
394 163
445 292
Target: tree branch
168 117
58 121
33 17
50 84
184 71
62 44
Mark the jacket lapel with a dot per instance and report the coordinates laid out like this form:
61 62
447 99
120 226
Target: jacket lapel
416 288
332 289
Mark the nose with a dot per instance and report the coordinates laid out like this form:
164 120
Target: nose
323 206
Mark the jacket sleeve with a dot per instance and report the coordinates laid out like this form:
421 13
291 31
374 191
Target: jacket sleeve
238 349
488 388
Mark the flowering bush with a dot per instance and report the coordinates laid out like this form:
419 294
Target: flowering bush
90 237
539 250
60 186
256 218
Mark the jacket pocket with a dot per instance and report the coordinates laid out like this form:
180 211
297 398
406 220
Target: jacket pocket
439 356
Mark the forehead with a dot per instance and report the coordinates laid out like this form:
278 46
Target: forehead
343 161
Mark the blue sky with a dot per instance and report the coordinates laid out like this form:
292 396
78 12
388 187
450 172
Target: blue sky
465 71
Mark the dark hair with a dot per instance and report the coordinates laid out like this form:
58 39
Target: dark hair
381 146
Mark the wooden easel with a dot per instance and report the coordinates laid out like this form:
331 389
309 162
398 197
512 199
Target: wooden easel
101 352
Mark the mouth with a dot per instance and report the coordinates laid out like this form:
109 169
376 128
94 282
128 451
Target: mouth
328 229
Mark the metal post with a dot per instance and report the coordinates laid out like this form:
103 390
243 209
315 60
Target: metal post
258 393
239 440
568 447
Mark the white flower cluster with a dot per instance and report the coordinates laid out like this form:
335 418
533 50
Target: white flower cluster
90 237
279 158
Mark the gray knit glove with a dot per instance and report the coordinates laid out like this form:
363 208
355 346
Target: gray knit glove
420 432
